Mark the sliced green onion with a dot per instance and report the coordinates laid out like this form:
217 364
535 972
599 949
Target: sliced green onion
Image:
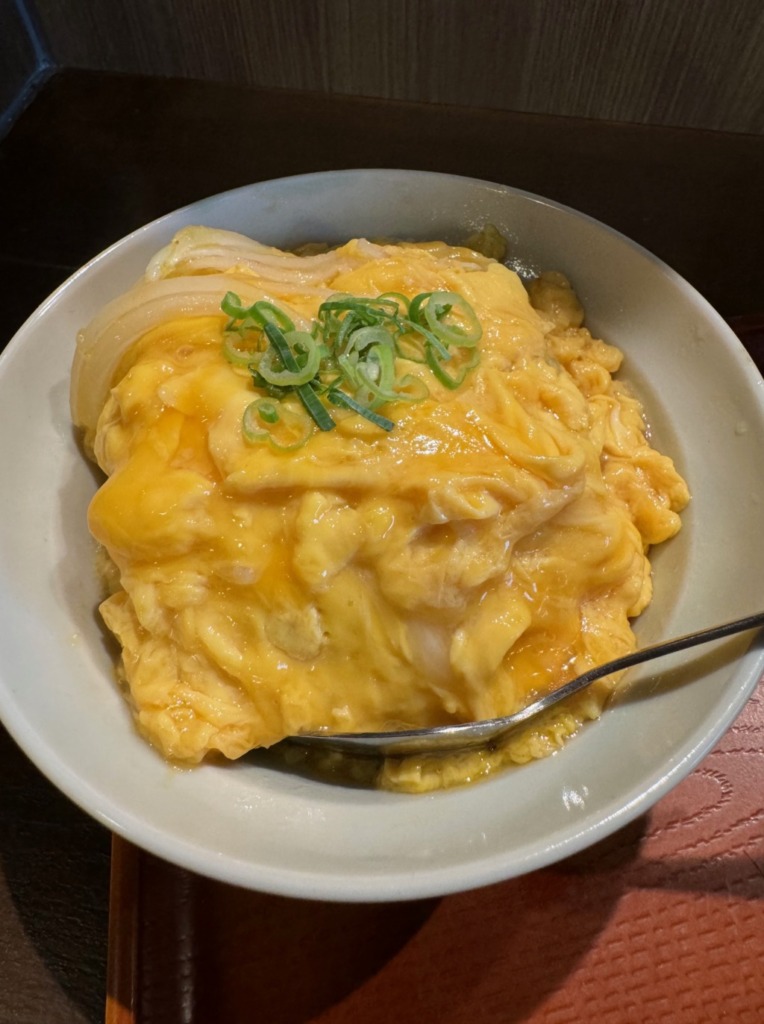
408 389
430 339
370 310
452 319
416 313
270 389
236 353
257 315
305 391
411 346
267 411
380 365
364 337
311 402
285 428
377 373
411 388
388 304
340 398
306 345
399 298
231 306
349 368
266 313
276 337
348 357
451 381
337 301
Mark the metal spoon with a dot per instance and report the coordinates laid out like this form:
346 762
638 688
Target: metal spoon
449 738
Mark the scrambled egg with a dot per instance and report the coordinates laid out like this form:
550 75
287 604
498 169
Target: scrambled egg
491 546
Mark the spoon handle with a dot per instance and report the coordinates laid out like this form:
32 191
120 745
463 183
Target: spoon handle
442 739
660 650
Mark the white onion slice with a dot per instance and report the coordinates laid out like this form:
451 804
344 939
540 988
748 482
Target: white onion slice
197 250
101 345
190 277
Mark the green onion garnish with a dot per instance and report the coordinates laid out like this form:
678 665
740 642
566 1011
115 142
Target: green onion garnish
307 358
348 358
340 398
306 394
452 319
285 428
266 410
457 377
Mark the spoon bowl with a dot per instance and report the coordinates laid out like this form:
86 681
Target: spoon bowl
444 739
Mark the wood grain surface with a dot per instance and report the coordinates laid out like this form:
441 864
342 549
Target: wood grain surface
97 156
691 63
20 61
54 877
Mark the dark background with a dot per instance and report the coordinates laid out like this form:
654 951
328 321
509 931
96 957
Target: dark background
683 63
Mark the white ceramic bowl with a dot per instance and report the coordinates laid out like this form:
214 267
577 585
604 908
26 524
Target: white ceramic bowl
268 830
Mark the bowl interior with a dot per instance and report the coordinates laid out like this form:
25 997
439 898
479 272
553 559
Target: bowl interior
254 825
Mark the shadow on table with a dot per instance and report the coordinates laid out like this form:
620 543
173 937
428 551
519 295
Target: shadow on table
55 862
206 951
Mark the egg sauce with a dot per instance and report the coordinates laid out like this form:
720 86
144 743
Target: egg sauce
489 547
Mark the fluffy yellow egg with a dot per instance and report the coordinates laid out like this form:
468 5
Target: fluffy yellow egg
491 544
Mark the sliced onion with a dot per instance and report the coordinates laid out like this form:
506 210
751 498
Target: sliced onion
190 277
102 344
199 250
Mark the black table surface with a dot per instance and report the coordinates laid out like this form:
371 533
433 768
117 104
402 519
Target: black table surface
95 156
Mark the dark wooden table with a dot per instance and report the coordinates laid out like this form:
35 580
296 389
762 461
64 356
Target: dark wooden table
95 156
